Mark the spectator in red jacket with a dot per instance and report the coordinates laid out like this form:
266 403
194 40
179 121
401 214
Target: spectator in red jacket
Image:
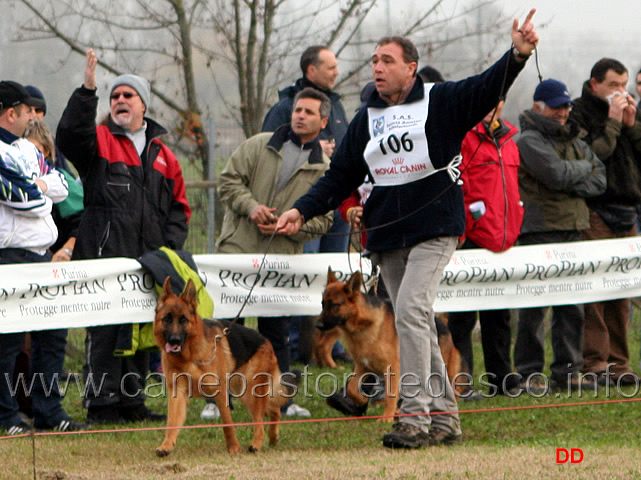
135 202
494 213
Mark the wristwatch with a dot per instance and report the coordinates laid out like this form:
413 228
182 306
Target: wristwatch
520 55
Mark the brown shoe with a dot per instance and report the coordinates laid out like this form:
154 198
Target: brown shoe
533 385
405 435
577 382
626 379
438 436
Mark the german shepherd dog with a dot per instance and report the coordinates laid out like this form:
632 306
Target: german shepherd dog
214 358
323 342
366 325
451 355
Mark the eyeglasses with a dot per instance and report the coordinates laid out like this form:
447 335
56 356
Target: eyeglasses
127 95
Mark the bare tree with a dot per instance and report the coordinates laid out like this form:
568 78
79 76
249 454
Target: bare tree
255 42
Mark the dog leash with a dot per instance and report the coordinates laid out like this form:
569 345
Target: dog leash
452 168
375 274
226 330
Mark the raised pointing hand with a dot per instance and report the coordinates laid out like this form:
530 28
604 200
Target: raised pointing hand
525 38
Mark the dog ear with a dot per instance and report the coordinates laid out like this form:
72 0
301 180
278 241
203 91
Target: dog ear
353 284
189 293
166 290
331 278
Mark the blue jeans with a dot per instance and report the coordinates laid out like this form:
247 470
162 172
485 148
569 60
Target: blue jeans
47 358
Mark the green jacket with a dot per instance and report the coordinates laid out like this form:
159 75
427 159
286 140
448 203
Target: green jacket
619 148
249 179
558 171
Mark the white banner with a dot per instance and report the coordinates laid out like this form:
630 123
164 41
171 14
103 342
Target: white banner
112 291
42 296
541 275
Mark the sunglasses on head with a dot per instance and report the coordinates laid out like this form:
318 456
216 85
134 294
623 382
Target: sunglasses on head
127 95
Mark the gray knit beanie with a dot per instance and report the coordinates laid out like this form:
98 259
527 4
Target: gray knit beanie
139 84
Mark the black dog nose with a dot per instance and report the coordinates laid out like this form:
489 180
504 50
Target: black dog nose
329 322
322 327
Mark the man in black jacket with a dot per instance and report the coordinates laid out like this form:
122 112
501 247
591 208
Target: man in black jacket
135 202
609 115
407 139
320 70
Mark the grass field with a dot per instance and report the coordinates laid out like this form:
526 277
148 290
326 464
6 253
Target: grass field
504 438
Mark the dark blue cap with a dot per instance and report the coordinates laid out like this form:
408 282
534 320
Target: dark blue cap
553 93
38 98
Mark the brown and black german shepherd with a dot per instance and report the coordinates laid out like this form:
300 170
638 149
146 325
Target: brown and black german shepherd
322 343
366 325
226 357
451 355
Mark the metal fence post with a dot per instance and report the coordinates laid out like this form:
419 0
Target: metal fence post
211 191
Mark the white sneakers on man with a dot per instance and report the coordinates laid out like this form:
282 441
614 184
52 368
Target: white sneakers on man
296 411
210 412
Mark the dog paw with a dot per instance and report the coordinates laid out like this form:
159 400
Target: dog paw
386 420
161 452
233 449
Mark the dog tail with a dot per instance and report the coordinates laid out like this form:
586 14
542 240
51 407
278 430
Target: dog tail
441 326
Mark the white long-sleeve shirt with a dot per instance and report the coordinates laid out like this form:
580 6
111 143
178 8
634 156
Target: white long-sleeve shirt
25 211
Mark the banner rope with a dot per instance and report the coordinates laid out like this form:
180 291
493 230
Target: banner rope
325 420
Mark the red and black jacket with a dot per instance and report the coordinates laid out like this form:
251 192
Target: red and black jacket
133 203
490 174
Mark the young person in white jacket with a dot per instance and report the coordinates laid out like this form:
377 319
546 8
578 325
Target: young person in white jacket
29 188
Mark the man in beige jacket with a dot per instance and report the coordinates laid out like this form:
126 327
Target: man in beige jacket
263 178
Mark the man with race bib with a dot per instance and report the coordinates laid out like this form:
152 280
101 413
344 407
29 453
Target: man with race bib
407 139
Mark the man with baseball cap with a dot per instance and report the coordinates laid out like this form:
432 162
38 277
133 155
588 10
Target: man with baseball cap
135 202
38 101
27 230
558 172
553 92
13 94
16 107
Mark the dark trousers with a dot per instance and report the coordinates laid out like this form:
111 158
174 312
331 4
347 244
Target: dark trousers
47 358
496 338
606 323
567 341
567 326
113 381
300 335
276 330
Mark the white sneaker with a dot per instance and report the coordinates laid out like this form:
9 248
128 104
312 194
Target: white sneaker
296 411
210 412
